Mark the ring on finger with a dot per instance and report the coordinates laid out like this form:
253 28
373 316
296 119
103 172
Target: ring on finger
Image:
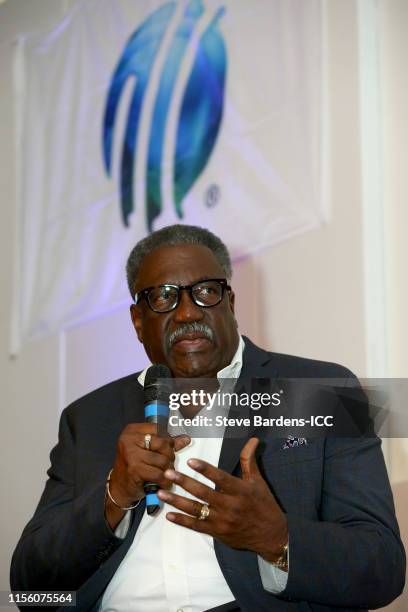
147 441
204 512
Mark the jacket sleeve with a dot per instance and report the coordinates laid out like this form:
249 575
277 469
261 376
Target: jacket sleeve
68 538
353 556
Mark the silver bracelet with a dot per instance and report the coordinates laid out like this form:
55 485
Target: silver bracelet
108 493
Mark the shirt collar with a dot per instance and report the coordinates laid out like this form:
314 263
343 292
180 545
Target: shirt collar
233 370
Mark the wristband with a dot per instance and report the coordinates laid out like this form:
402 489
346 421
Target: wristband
108 493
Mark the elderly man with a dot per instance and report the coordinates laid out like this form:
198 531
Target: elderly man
307 527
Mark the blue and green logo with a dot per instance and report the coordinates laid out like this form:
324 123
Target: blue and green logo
199 116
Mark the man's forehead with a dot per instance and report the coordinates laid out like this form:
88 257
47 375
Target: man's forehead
178 264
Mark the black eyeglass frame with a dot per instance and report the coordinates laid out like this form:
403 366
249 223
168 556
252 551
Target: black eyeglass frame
144 293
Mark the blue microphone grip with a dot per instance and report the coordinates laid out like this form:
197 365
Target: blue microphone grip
155 412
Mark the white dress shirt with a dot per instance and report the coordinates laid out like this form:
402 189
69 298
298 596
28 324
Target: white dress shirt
169 567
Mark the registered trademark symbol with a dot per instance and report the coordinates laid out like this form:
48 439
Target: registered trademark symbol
212 196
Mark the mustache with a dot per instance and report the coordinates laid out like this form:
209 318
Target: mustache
190 328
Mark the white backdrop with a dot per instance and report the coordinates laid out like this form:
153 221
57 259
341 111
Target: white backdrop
251 123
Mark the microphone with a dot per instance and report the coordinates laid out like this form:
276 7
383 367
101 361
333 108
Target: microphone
156 409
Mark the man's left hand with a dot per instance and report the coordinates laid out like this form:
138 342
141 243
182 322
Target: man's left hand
243 511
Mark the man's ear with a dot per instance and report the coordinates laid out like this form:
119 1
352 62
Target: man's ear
137 321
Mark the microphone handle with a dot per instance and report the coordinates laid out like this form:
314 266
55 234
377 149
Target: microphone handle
152 501
158 413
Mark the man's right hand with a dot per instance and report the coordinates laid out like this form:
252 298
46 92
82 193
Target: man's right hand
135 465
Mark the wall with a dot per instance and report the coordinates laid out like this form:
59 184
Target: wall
305 296
394 48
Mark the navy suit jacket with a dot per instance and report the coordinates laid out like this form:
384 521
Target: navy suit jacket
345 549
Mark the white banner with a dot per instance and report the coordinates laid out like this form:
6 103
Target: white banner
133 115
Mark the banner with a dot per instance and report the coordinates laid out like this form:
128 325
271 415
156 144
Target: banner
135 115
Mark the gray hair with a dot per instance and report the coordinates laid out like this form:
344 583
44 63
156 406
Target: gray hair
174 235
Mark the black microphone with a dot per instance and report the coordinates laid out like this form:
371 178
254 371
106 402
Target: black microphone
156 409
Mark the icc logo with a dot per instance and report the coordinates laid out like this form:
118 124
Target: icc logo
198 117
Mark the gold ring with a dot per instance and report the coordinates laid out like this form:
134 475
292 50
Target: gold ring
147 441
204 512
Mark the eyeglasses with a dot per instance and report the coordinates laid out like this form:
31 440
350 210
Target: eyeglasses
205 293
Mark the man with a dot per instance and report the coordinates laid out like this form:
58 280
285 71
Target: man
307 527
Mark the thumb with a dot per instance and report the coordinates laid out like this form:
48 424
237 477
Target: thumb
181 442
249 466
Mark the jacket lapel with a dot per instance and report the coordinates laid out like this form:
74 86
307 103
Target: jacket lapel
257 364
133 408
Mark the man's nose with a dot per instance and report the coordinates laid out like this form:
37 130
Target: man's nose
187 310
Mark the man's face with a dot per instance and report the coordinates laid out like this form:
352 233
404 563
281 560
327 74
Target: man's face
192 354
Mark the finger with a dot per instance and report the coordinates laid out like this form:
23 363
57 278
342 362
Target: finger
181 442
190 506
223 480
150 473
155 459
192 486
158 444
136 432
188 521
249 465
